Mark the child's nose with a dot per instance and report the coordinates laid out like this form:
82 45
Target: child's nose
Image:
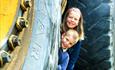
72 19
67 43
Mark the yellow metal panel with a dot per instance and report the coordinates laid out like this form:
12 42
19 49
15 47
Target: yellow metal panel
63 5
7 14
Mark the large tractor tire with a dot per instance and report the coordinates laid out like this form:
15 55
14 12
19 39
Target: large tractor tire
97 52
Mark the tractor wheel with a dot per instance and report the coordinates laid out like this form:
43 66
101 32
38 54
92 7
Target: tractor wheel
97 52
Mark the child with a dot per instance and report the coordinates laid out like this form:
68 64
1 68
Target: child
73 19
68 39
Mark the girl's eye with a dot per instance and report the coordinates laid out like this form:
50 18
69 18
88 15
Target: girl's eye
70 17
75 18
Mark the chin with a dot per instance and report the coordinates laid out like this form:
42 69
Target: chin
63 47
71 27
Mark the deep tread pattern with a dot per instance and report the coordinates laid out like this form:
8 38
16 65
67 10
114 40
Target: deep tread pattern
95 53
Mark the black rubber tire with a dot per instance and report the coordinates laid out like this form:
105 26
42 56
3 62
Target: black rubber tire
98 48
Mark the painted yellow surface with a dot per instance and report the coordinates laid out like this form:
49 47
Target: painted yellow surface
7 15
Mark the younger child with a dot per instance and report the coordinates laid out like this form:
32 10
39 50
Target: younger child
68 39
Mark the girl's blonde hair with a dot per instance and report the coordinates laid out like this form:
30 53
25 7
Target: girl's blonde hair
78 28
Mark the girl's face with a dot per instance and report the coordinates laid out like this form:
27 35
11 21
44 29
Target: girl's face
67 41
73 19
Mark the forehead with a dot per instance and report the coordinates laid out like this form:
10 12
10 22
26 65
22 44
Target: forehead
75 10
70 37
74 13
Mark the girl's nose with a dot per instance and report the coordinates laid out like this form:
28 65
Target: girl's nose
72 19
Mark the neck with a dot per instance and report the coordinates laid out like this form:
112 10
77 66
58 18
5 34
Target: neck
64 50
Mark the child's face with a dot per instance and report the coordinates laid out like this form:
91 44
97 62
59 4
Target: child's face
67 41
73 19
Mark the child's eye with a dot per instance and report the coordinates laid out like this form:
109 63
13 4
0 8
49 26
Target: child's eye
76 19
70 43
70 17
67 39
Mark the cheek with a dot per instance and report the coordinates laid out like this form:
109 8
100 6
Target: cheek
69 46
63 40
77 22
68 19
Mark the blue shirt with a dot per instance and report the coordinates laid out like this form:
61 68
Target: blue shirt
63 59
73 55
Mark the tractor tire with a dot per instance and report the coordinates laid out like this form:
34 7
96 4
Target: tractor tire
97 52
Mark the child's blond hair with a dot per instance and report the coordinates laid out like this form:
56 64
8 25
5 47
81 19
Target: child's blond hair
74 34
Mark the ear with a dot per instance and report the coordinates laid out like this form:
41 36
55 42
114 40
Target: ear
63 35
